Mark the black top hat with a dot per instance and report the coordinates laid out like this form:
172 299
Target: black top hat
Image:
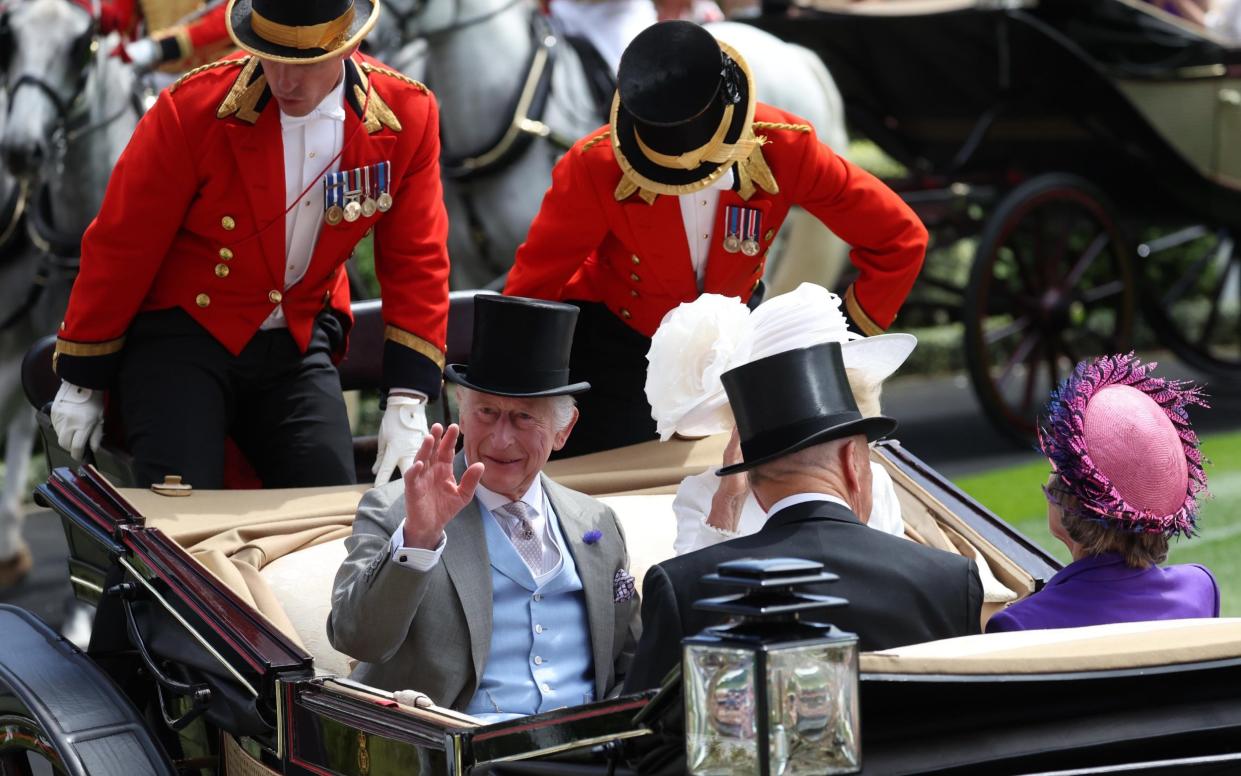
520 348
683 100
299 31
792 400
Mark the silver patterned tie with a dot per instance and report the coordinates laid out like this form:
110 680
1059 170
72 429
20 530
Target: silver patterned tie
518 516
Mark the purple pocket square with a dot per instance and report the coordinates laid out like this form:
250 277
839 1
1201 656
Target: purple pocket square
623 586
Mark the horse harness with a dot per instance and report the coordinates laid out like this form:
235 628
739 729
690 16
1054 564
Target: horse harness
528 107
60 250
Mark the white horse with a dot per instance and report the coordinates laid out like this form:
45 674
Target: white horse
512 97
72 109
18 270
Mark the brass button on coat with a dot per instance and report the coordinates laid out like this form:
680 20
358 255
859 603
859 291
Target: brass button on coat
202 300
770 234
274 296
228 223
221 270
634 277
625 314
226 254
635 259
633 292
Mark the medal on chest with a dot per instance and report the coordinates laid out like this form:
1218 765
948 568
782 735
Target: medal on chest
353 195
383 177
358 193
333 199
369 206
741 228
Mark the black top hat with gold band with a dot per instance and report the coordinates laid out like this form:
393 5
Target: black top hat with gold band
683 110
299 31
793 400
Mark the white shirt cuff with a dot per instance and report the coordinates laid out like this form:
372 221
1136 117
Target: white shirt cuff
415 558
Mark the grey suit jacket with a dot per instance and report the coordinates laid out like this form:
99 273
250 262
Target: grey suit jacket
432 631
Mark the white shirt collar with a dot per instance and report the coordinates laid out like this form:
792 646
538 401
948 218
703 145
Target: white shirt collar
533 497
332 107
802 498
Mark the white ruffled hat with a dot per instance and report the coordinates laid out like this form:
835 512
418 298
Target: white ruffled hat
698 341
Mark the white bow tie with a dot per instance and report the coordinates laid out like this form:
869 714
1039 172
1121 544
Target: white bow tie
335 112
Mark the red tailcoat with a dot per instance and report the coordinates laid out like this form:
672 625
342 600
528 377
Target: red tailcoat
194 218
633 257
196 42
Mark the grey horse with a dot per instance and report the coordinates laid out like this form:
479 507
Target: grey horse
72 109
512 97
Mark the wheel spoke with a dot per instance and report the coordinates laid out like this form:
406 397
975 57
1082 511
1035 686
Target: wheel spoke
1027 396
1007 330
1053 363
1216 302
1105 291
1176 239
1087 258
1186 281
1061 230
1019 355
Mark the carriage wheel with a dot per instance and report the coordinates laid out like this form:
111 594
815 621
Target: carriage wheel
1192 294
1051 284
24 748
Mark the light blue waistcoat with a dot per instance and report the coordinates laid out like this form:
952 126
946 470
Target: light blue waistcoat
540 657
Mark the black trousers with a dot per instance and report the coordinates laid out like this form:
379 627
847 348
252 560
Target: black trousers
182 394
612 358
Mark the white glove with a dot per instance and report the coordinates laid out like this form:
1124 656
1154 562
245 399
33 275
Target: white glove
401 431
419 700
77 417
143 53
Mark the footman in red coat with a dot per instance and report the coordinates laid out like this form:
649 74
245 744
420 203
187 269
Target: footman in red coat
682 194
212 299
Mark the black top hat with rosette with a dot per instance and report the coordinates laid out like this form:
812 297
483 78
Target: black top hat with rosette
683 110
520 348
299 31
792 400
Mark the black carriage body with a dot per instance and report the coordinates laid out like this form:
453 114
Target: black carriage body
1002 91
271 714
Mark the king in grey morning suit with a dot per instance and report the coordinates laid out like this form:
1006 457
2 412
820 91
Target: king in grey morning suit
476 579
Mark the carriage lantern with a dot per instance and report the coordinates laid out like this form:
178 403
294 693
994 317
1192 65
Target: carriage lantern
768 693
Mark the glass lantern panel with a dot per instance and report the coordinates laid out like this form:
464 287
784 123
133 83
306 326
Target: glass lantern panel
721 735
813 703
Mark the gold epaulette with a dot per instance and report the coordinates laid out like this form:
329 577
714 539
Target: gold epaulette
777 125
206 67
368 68
596 140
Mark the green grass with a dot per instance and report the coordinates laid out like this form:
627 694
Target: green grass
1014 494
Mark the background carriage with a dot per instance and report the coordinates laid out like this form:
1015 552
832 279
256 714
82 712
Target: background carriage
1091 148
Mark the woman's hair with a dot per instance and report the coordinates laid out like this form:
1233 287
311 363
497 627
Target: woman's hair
865 393
1098 535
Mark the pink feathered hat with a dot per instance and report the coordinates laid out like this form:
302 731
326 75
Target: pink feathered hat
1120 441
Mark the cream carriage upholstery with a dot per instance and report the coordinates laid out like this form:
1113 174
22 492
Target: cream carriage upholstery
279 549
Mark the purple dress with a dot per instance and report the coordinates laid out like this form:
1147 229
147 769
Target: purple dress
1101 589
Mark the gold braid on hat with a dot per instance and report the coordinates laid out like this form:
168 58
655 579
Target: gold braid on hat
326 36
746 154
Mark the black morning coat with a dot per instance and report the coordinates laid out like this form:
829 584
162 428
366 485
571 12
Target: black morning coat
899 592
